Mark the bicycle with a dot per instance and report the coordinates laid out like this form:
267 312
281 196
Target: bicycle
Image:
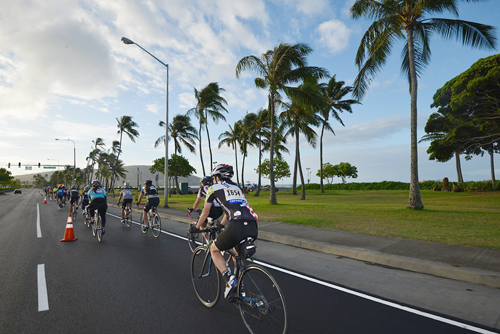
86 216
127 220
192 238
154 222
258 296
97 225
74 214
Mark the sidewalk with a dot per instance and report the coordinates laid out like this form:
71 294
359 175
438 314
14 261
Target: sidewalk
468 264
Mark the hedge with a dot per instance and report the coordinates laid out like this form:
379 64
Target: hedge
393 185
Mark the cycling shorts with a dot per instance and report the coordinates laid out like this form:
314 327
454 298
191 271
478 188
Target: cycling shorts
126 201
152 202
234 232
60 196
74 200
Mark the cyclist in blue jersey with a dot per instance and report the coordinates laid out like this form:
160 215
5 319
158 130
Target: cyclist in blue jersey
59 194
240 221
97 197
84 198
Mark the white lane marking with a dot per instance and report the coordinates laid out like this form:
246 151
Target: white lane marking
38 229
43 299
378 300
355 293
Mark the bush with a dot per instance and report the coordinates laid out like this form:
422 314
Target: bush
394 185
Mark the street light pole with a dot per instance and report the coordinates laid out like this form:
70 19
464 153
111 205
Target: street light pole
165 204
74 157
308 175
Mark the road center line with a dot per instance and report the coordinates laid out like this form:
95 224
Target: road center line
38 229
43 299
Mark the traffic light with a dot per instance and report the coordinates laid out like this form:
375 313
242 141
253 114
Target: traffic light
19 165
38 165
9 164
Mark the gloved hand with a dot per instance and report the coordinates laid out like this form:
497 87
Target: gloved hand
118 203
193 229
219 226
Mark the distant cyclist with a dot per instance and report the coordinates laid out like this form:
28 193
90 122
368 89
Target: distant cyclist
51 192
59 194
153 199
240 217
215 210
74 197
127 196
97 197
84 198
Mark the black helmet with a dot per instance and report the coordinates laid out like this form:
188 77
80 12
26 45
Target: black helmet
224 171
207 180
96 184
148 182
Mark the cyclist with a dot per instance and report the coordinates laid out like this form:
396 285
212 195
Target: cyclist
84 198
74 196
51 193
215 210
127 196
97 197
59 194
65 194
240 217
153 199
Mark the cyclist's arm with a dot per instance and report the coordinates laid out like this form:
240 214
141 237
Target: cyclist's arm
140 198
224 220
195 205
204 214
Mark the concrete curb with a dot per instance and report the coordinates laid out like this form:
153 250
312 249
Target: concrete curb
420 266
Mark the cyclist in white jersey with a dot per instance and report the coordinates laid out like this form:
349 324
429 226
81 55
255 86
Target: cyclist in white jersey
127 196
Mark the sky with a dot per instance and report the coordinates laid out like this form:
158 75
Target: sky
64 73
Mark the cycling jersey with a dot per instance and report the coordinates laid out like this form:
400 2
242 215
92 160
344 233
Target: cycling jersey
126 194
99 193
74 193
231 199
59 192
150 192
202 193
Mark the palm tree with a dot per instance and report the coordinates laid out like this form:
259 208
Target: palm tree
297 119
230 138
182 132
277 69
92 158
406 19
247 137
333 92
128 126
261 133
209 102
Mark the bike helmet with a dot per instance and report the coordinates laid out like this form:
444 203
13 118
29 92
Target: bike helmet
87 188
224 171
126 185
207 180
148 182
73 187
96 184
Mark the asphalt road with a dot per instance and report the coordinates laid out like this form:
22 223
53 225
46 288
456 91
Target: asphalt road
134 283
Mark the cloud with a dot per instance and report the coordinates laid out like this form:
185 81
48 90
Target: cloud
334 35
152 108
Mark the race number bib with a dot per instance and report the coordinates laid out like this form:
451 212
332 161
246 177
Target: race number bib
234 196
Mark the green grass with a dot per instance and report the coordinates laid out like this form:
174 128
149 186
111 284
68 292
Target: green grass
469 218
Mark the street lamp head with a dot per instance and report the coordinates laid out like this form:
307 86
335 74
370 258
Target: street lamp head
125 40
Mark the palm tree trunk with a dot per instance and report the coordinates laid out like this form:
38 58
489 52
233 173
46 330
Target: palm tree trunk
272 196
243 174
236 160
303 190
415 201
294 181
321 159
459 167
260 163
114 164
209 145
201 154
492 164
175 175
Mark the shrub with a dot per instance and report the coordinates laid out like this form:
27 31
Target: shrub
394 185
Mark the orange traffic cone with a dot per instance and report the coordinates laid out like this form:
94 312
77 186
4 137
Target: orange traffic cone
45 200
69 235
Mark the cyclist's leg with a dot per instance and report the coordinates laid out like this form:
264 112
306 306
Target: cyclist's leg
145 216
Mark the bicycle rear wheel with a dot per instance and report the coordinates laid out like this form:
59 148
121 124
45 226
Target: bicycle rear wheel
98 223
205 277
93 225
156 229
261 302
75 215
128 219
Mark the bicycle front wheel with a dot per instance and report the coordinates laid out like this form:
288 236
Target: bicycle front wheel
192 239
205 277
98 227
156 229
261 302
